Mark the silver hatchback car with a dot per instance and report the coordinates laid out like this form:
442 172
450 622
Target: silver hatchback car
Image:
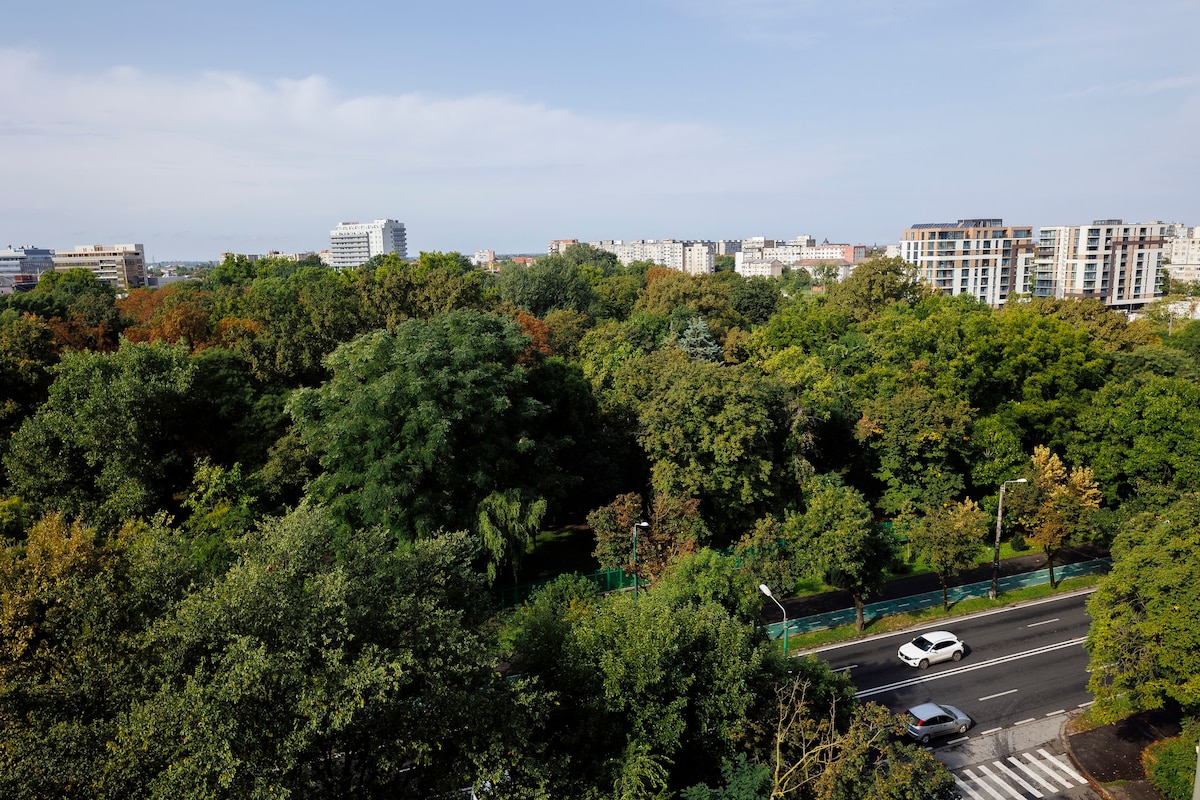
934 719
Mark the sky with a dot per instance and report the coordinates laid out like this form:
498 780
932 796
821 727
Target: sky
252 126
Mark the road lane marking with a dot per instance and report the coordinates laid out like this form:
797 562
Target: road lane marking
1003 784
959 739
1063 766
997 694
971 667
1022 722
1046 769
989 730
982 784
1054 713
1018 779
1085 705
1043 622
964 787
1049 787
847 668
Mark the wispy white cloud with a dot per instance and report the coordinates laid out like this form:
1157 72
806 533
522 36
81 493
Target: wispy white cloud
1136 88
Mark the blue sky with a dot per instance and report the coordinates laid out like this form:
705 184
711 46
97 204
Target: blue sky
259 125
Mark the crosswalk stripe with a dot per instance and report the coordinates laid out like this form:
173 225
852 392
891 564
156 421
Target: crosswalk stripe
982 784
1049 787
1047 770
1003 784
1018 779
1064 767
965 788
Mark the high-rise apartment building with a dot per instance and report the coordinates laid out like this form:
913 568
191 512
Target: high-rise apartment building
120 265
980 257
1116 262
354 243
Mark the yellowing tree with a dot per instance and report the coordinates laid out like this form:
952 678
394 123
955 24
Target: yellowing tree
1058 507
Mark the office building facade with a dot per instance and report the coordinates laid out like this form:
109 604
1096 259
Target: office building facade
122 266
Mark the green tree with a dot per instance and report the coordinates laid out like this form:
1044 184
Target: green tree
417 427
77 306
838 542
921 442
639 699
950 540
874 285
697 342
723 435
108 442
549 284
1143 641
317 665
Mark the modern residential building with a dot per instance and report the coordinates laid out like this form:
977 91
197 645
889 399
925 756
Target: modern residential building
120 265
980 257
1183 251
354 243
1116 262
484 258
25 260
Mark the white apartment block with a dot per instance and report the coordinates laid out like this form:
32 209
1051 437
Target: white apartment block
980 257
693 257
1183 250
354 243
757 267
120 265
484 258
1116 262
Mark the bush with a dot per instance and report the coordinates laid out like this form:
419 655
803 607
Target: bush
1171 764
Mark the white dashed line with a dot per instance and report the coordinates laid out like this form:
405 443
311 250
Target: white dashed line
1043 622
1022 722
997 694
1054 713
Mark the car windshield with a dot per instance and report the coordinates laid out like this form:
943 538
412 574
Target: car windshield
922 643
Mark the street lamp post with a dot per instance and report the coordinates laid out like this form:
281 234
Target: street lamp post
636 525
996 553
762 587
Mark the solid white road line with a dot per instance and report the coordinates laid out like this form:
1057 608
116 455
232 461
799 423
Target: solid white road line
1064 767
997 694
971 667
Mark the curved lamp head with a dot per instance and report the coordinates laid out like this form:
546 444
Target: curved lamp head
762 587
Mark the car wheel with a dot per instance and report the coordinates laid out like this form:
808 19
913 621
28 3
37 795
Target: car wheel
957 655
962 728
925 739
924 663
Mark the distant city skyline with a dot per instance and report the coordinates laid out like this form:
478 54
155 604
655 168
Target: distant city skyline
252 127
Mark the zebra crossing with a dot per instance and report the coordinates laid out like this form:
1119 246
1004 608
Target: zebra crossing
1018 777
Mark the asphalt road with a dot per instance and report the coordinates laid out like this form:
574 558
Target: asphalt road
1023 663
